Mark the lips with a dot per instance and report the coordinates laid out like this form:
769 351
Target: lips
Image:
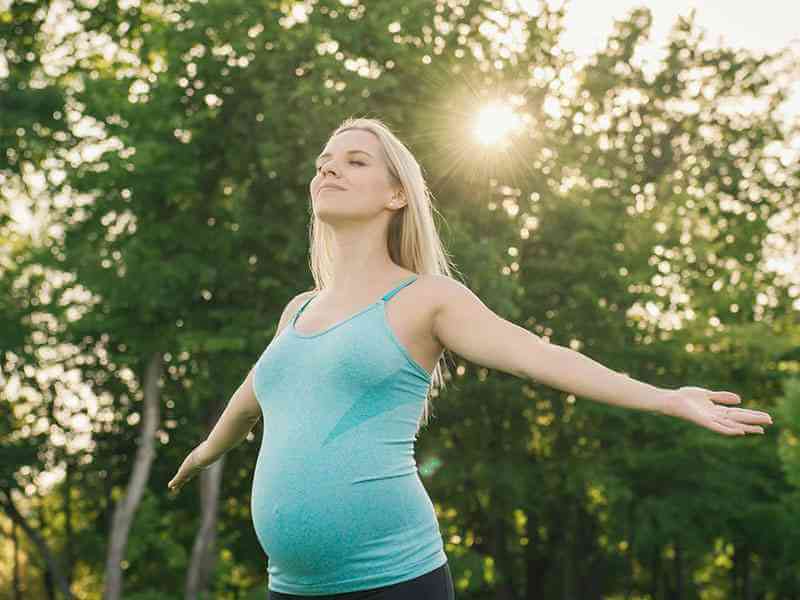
331 187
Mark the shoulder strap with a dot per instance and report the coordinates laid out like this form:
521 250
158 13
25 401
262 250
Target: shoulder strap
297 314
388 295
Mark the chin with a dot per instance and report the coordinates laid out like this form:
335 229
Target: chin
331 216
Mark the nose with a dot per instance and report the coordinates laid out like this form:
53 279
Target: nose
327 168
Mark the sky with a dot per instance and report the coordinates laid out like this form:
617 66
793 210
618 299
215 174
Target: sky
766 25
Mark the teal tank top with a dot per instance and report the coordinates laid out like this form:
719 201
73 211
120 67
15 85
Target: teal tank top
337 501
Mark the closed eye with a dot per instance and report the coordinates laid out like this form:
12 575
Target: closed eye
358 162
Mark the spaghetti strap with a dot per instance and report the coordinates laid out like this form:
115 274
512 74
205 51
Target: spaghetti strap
297 314
388 295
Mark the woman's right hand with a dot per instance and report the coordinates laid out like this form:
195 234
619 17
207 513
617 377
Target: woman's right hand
192 465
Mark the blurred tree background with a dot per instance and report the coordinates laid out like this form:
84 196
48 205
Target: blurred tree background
636 216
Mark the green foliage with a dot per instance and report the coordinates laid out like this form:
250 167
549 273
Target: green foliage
787 410
631 223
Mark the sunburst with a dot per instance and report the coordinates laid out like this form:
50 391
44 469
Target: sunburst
495 123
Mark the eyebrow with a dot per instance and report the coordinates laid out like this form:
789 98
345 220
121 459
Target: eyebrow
348 152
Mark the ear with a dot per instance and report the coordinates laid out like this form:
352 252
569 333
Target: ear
398 199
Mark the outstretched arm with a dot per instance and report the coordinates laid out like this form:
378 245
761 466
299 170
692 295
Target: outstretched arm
469 328
237 420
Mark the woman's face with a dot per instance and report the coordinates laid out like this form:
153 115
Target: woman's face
352 162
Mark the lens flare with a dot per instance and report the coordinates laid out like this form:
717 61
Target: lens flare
495 122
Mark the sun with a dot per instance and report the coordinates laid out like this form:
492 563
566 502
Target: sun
495 122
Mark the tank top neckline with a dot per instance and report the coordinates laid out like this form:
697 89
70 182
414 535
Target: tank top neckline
381 300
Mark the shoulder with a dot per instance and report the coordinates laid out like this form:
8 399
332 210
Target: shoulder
452 301
443 289
298 300
442 296
295 303
451 304
292 307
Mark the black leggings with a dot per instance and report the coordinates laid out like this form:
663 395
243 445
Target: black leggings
434 585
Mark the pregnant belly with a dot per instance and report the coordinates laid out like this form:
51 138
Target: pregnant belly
317 524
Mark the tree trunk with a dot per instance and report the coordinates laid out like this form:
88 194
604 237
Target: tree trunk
49 583
203 553
537 565
678 565
125 510
589 582
16 585
502 562
631 539
656 575
203 557
565 550
747 580
69 555
52 567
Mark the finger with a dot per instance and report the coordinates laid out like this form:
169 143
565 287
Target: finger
726 428
725 397
744 427
745 415
754 429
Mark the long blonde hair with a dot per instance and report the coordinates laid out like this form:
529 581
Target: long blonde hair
413 239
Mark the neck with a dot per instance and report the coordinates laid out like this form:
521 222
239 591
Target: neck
361 262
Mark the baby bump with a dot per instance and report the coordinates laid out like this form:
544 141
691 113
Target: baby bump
316 526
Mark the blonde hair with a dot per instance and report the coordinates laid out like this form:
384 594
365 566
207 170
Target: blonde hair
413 240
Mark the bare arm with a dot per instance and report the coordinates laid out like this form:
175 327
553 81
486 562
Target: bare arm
237 420
243 411
466 326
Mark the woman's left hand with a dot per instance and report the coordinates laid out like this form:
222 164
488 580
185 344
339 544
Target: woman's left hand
696 404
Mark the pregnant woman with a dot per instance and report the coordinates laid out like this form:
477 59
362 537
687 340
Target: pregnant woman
343 387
